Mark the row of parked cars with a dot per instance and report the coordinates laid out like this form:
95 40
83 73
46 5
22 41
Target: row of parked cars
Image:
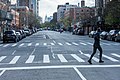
112 35
16 35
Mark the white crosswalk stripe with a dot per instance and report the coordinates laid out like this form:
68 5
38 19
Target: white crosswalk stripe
44 44
110 58
29 44
61 58
115 55
6 45
83 43
14 60
77 58
2 57
21 45
1 44
30 59
75 43
52 43
14 45
60 44
46 59
37 44
106 44
94 58
68 43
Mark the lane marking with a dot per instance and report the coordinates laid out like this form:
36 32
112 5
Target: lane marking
110 58
21 45
77 58
14 60
30 59
2 57
1 44
33 51
52 44
54 41
14 45
29 44
106 44
83 43
46 59
37 44
115 55
68 43
94 58
75 43
44 44
79 73
13 52
60 66
6 45
81 52
62 58
2 72
60 44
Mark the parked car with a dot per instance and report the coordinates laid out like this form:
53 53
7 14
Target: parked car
112 34
27 32
117 38
103 35
92 33
19 35
10 36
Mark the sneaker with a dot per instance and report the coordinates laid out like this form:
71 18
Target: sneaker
89 61
101 61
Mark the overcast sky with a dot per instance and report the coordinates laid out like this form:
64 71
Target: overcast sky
48 7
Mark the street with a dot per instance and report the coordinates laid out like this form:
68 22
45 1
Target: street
50 55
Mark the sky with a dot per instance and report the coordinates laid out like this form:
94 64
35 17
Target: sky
48 7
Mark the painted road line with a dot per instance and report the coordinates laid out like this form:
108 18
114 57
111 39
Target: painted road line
13 52
33 51
2 72
1 44
37 44
2 57
83 43
14 60
68 43
62 58
77 58
30 59
79 73
81 52
54 41
60 66
94 58
29 44
75 43
44 44
115 55
6 45
110 58
60 44
14 45
21 45
46 59
52 44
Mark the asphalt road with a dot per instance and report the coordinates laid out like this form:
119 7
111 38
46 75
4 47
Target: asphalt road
49 55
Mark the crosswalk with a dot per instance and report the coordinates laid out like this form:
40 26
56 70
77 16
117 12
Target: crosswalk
59 58
57 43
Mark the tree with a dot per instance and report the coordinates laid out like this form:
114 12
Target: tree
112 13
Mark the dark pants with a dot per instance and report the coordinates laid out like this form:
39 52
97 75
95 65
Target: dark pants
95 47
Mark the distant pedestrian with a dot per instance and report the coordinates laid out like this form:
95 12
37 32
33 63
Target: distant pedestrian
96 46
